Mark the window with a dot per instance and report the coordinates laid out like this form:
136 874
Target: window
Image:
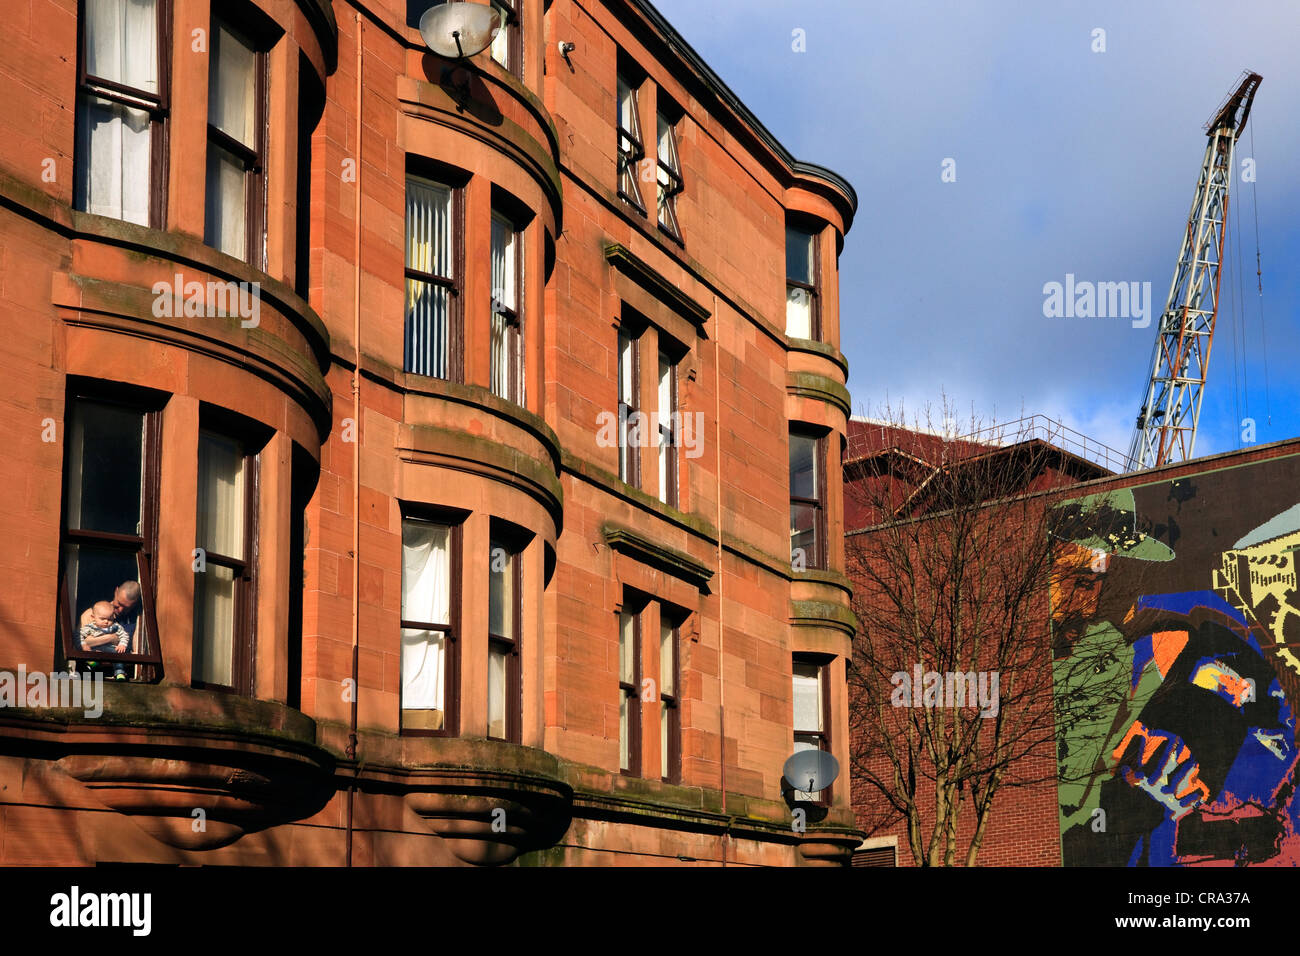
807 492
669 422
629 693
110 522
811 705
507 284
670 713
802 316
122 102
505 602
629 416
430 601
631 150
223 580
507 45
236 199
669 177
432 279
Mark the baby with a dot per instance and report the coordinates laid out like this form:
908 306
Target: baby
103 630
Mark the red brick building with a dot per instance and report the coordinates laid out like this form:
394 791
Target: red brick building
431 428
1195 599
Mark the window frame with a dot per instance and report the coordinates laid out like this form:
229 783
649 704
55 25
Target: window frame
243 639
451 644
511 646
453 284
668 425
629 456
809 289
631 692
514 37
670 710
158 107
143 546
255 158
666 198
513 333
627 162
823 736
820 558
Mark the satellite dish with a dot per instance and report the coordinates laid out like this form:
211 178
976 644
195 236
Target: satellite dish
811 770
458 30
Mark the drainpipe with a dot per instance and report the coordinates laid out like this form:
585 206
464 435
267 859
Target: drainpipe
356 456
722 684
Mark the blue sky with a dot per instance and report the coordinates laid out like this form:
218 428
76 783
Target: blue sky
1067 161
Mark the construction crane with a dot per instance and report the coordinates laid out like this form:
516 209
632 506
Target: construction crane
1166 425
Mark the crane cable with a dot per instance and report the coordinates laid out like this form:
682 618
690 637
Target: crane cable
1259 280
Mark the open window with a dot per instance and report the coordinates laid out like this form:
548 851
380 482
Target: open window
669 174
106 586
631 147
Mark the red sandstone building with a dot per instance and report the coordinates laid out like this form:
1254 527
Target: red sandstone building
446 417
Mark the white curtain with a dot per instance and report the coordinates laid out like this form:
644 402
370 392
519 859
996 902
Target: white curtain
497 685
221 496
220 529
226 222
666 459
807 698
232 87
214 625
114 141
426 597
428 249
798 313
122 42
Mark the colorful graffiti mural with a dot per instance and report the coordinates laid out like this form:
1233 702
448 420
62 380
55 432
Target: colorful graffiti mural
1177 686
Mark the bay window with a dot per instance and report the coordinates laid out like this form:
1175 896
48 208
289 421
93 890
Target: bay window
811 708
802 315
236 199
430 601
223 579
432 344
507 45
110 531
807 501
507 340
122 104
505 597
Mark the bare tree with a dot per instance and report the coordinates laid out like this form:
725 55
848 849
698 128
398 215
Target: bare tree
961 585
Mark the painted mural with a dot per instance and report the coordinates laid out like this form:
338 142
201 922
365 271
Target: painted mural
1177 683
